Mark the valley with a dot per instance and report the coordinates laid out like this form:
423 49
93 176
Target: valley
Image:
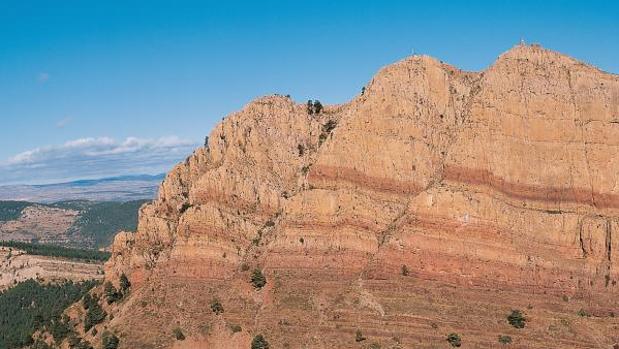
79 224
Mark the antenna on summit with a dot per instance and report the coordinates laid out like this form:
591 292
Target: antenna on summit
522 43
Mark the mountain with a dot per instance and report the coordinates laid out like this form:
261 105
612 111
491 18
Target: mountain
439 207
121 188
81 224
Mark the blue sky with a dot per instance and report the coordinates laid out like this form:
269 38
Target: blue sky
147 80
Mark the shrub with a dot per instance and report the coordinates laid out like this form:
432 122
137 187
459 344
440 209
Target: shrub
56 251
111 293
216 307
583 313
235 328
124 283
178 334
516 319
59 329
314 107
110 341
405 270
184 207
322 138
87 301
259 342
329 126
94 315
505 339
454 339
84 344
39 344
73 340
359 336
244 267
317 107
258 279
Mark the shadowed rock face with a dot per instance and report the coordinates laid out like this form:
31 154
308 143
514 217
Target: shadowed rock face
435 202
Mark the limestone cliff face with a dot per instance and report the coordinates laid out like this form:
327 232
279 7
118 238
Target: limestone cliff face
432 203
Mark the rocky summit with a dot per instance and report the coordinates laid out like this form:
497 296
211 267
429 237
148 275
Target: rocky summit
438 207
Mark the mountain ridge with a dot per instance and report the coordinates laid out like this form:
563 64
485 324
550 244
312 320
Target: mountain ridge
426 205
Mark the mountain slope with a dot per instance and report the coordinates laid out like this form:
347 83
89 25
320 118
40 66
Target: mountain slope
82 224
436 202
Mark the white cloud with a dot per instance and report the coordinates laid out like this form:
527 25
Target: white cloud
95 158
43 77
64 122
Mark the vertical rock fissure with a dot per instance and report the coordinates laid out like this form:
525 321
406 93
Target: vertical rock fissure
582 135
608 252
581 239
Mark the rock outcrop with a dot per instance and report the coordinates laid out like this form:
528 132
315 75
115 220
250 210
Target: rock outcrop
435 202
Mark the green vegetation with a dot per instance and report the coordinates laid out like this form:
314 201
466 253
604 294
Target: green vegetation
404 270
57 251
178 334
30 306
235 328
326 131
454 339
76 342
94 313
583 313
216 307
359 336
39 344
124 283
11 210
110 341
111 293
259 342
59 328
516 319
258 279
185 207
329 126
101 220
314 107
505 339
97 221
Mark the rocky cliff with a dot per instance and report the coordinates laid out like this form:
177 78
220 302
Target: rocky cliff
435 202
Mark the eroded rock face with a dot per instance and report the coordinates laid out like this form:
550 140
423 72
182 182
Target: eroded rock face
433 203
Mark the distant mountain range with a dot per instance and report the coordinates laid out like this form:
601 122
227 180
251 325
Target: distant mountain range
121 188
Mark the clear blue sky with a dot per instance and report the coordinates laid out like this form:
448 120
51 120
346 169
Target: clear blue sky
71 70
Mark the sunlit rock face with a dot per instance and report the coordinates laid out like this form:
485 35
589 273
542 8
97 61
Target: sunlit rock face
435 202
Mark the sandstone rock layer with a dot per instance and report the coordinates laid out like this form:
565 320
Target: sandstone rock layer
435 202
